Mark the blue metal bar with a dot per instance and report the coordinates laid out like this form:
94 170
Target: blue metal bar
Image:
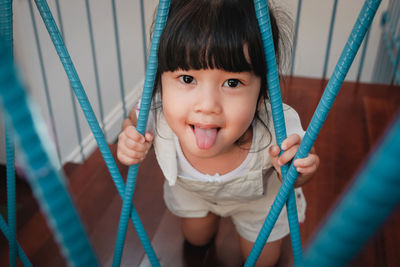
151 70
74 108
47 184
6 21
387 20
391 43
381 69
360 28
390 9
121 77
363 209
45 83
396 12
11 195
393 59
262 13
21 254
387 68
96 72
377 70
296 32
361 66
144 39
328 47
92 121
396 72
6 31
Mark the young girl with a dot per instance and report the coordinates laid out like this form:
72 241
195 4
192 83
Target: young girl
212 132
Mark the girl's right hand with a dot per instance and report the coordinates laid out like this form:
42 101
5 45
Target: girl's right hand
132 146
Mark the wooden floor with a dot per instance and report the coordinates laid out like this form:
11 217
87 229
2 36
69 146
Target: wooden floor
357 120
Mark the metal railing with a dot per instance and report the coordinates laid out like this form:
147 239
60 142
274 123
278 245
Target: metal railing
70 150
387 67
45 179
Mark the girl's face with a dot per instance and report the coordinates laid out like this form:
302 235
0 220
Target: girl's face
209 110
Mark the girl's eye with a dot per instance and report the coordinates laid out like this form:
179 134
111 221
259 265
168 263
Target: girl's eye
233 83
187 79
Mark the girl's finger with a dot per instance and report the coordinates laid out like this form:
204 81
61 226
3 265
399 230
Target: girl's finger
136 146
290 141
133 154
288 155
129 161
305 162
131 133
132 116
149 136
274 151
123 158
311 159
306 170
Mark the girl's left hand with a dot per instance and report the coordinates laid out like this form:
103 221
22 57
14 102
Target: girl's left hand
306 167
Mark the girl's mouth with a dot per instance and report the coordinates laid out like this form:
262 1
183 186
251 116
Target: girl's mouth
205 136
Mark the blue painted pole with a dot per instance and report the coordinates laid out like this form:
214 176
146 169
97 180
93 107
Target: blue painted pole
96 71
21 254
119 60
329 43
151 71
361 66
262 13
296 32
373 196
11 195
360 28
91 119
144 39
47 183
45 83
6 32
74 108
391 45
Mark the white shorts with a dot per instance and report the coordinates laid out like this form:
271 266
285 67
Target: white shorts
247 200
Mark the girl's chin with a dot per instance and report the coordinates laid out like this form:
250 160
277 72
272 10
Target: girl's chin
196 151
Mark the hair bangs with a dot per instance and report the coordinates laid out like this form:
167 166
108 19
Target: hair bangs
214 36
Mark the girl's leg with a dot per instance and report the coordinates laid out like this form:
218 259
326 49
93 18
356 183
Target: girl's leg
200 231
269 255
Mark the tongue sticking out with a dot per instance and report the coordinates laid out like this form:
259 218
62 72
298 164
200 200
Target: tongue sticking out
205 138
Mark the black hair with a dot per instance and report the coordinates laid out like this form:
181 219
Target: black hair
212 34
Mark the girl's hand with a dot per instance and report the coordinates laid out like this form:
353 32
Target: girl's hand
132 146
306 167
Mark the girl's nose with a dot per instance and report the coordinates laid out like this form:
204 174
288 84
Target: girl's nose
208 100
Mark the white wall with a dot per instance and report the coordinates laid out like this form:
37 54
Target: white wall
78 43
313 34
